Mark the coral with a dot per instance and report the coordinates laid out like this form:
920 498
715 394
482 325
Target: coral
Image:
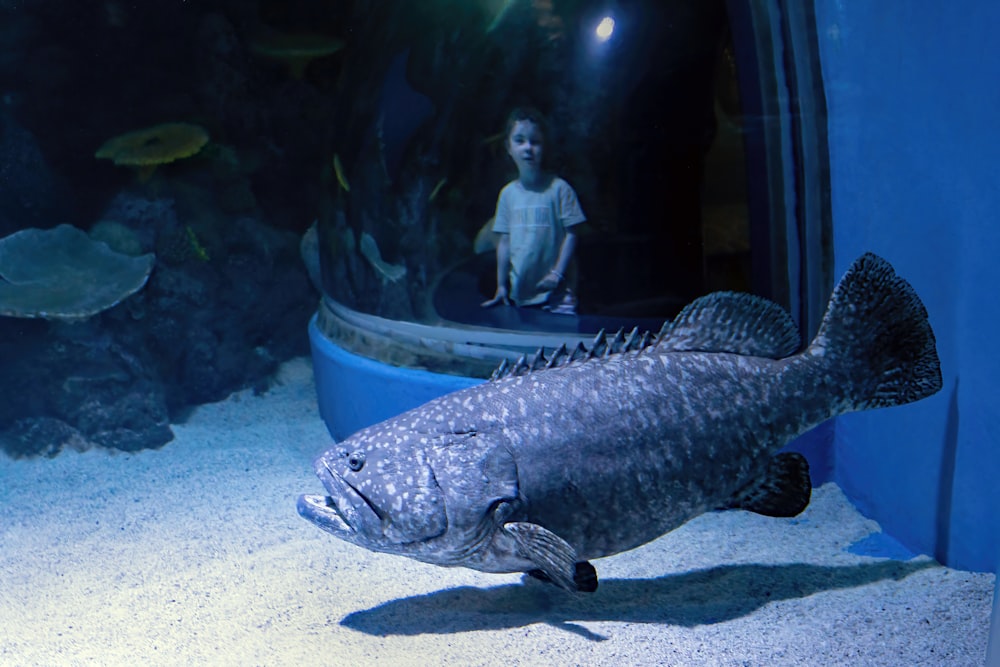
153 146
117 236
296 50
62 273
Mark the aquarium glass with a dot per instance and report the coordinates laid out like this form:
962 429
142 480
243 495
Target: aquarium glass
236 234
644 119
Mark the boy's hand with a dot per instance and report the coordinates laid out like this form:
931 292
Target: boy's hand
501 296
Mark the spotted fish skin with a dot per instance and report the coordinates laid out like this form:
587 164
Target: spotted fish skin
540 471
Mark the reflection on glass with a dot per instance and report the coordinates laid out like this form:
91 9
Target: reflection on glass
641 123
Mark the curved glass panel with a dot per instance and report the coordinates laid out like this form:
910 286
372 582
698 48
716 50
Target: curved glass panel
640 119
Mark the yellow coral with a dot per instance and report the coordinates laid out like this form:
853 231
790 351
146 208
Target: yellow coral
296 50
150 147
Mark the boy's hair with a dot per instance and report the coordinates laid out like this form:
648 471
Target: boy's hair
529 114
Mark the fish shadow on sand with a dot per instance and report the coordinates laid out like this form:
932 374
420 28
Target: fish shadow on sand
694 598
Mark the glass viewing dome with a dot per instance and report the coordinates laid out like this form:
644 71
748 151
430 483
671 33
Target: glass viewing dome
655 115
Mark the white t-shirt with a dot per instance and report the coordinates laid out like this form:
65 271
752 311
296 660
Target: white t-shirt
537 222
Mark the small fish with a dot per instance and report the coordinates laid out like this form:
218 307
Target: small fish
197 249
587 454
338 169
437 188
387 273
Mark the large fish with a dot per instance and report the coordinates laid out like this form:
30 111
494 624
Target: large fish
540 470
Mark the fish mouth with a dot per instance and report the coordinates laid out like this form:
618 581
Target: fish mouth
346 512
322 511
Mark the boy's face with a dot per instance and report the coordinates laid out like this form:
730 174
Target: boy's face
525 147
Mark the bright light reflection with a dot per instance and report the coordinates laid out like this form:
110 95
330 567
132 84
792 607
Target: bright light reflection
605 28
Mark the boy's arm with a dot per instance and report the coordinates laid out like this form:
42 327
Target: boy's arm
565 254
503 262
503 273
558 271
570 215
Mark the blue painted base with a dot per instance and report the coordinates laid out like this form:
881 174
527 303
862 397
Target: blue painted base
355 392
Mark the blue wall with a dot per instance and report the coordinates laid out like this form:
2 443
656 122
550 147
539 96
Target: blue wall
913 95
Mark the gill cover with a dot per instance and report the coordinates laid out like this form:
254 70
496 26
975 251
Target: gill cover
476 475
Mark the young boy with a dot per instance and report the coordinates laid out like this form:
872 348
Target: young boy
535 217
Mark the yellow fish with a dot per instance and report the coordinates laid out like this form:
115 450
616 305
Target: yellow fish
339 169
437 189
196 247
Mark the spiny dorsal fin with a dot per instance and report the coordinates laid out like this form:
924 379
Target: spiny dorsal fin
731 322
500 371
718 322
601 348
558 356
520 366
644 341
633 337
665 329
598 346
616 344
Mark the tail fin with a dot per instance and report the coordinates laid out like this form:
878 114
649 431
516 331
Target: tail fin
876 329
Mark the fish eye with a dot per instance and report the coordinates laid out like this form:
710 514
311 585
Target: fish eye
356 461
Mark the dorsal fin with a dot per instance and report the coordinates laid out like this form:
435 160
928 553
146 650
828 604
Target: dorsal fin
538 361
500 371
601 347
718 322
558 357
630 341
644 341
579 352
731 322
520 367
616 344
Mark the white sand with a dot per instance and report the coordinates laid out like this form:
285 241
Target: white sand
194 554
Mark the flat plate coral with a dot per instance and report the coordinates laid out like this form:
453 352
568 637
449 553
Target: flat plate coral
62 273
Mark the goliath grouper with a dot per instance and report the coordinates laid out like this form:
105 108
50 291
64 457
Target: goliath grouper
600 451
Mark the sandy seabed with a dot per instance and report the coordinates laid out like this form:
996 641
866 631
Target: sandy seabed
194 555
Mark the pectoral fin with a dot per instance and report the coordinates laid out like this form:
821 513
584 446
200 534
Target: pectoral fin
553 555
782 491
585 577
